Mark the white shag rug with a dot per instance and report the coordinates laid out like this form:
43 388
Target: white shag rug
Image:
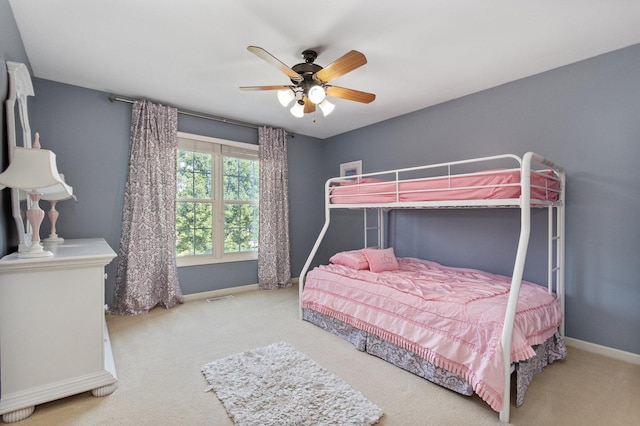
278 385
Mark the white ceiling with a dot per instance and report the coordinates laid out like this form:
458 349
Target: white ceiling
192 53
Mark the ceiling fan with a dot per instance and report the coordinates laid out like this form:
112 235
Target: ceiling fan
310 82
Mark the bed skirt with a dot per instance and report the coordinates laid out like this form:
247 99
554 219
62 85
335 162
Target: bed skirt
551 350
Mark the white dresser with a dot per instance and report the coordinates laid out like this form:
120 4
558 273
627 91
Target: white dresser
53 336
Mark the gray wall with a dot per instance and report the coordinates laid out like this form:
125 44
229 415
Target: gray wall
90 136
585 117
11 49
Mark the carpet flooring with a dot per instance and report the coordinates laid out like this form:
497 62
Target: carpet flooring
158 358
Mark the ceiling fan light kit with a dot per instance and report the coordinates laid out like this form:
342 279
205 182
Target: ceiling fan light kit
286 96
326 107
310 82
297 110
316 94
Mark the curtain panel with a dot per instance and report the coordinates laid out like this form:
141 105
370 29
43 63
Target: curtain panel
147 273
274 268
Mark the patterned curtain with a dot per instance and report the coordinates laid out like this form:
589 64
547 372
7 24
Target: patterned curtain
147 274
274 269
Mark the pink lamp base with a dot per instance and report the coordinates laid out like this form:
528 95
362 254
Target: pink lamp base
35 215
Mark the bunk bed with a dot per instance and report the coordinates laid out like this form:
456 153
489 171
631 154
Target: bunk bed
463 329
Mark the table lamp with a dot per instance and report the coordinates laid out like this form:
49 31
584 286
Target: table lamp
54 194
33 170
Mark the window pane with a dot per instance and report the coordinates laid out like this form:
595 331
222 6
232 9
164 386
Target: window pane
184 215
184 228
241 228
202 241
194 174
194 228
230 177
231 227
240 179
185 175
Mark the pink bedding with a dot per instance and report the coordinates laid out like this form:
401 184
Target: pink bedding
452 317
495 184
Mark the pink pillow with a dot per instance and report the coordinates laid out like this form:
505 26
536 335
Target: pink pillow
353 259
381 260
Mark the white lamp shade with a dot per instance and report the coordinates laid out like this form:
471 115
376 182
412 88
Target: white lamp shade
326 107
316 94
285 97
32 169
297 110
58 192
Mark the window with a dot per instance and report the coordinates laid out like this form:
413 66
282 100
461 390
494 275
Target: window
217 200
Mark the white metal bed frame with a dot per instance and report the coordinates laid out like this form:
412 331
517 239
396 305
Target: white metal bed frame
530 163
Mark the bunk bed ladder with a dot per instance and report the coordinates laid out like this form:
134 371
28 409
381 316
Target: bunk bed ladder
556 263
557 247
378 227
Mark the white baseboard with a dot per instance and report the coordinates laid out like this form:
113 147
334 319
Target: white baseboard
603 350
227 291
220 293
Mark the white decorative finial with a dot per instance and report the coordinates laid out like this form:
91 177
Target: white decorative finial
36 141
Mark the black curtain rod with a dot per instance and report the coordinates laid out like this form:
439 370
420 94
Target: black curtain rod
114 98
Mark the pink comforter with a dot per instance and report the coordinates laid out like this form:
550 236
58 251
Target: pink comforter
495 184
450 316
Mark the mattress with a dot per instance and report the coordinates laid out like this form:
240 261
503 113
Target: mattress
493 184
451 317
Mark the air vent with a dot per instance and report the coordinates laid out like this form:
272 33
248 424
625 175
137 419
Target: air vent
215 299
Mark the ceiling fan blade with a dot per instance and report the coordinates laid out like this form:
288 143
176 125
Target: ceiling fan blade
350 94
268 57
280 87
344 64
308 106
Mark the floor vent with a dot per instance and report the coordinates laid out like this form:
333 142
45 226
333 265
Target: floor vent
215 299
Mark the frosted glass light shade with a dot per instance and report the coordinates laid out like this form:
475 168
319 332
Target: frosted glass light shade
31 169
326 107
316 94
298 109
285 97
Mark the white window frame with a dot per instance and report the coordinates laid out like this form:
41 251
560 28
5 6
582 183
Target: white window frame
218 256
